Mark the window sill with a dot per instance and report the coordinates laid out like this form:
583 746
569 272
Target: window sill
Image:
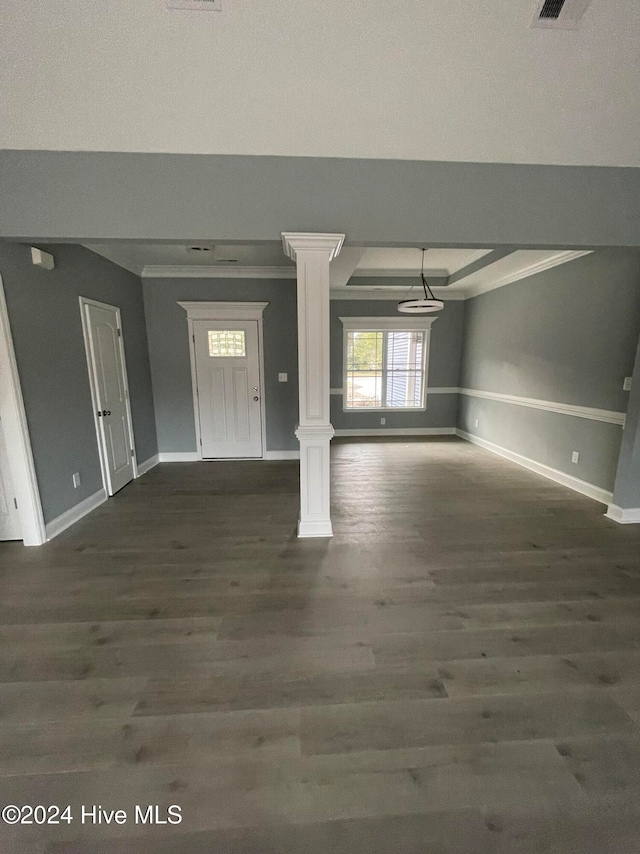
384 408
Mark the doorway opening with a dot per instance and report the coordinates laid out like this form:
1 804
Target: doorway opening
21 515
102 328
227 374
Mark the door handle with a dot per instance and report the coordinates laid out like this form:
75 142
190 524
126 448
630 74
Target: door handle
105 412
256 398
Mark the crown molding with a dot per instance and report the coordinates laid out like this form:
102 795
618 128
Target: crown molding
294 242
151 271
524 273
329 243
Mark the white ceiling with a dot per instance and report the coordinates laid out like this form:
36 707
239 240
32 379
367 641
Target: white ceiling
381 261
135 256
438 80
157 260
438 262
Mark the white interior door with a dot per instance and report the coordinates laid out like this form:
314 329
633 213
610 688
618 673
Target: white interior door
110 394
10 528
227 362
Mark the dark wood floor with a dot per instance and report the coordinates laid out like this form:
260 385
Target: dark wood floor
456 672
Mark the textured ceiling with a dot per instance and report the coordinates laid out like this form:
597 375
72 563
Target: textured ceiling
462 81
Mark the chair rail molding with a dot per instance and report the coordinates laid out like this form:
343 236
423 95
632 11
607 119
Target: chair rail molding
588 412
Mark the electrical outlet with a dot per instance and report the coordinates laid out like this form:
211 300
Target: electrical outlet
476 423
575 457
383 420
76 480
627 384
283 378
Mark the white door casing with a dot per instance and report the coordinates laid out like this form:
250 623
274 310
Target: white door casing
229 388
10 527
227 316
109 389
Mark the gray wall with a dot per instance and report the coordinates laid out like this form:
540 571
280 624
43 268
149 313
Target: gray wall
170 364
54 195
566 335
627 488
444 367
44 313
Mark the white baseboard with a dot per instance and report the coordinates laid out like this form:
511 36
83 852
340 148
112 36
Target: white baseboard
192 456
147 465
73 515
179 457
315 529
625 516
581 486
399 431
281 455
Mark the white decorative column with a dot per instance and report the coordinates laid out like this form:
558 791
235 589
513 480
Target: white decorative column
312 254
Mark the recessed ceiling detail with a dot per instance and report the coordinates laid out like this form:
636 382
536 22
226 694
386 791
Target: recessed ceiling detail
356 273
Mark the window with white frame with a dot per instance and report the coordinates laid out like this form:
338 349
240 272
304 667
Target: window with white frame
385 362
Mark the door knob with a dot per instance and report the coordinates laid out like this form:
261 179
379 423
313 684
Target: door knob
256 398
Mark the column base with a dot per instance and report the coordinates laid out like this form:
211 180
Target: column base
315 529
623 515
315 509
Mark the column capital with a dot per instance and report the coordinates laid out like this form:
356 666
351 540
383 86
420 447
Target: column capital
294 242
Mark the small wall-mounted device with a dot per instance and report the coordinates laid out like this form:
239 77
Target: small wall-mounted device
627 384
283 378
575 457
42 259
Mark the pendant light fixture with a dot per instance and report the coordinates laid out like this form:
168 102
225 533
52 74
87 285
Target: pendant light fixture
424 305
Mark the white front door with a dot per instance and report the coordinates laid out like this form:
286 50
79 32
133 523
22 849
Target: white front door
10 528
110 394
227 363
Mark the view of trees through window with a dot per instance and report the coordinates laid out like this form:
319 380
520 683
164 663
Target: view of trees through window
384 370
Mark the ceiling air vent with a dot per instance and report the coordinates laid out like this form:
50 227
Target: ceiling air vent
560 14
196 5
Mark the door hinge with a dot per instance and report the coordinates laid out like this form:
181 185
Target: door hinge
15 501
193 338
132 452
119 333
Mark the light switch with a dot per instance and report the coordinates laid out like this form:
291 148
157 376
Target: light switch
627 384
283 378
